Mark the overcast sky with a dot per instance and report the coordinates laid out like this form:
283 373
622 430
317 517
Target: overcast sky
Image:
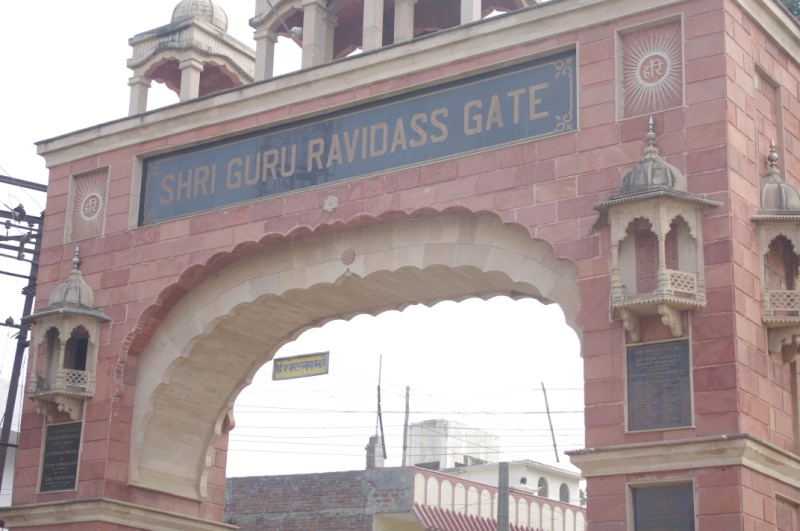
479 363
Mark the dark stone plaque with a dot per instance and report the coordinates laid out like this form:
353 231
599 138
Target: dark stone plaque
667 508
659 390
60 461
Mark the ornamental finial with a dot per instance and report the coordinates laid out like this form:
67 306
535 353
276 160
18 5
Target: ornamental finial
773 173
651 133
76 260
772 158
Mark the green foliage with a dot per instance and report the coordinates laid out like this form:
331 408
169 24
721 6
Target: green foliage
793 6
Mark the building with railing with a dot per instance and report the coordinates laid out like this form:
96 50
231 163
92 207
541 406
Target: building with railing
384 499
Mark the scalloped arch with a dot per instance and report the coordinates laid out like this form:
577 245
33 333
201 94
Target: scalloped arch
222 328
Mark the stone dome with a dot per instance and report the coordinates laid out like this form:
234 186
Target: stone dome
652 172
203 10
776 195
74 291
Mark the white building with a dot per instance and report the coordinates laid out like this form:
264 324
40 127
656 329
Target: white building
542 480
443 444
472 453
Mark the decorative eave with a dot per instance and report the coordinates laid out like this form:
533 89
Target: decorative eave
740 449
67 309
651 195
168 29
645 304
150 44
778 216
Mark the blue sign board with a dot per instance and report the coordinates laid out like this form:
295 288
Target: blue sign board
513 104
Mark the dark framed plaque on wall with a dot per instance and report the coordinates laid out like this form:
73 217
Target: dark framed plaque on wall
62 444
664 508
659 386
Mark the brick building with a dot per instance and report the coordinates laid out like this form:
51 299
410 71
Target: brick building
634 162
387 499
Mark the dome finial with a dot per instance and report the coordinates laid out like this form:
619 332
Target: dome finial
76 260
652 172
651 133
773 173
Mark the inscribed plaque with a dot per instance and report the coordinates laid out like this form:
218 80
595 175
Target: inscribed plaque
666 508
659 389
60 460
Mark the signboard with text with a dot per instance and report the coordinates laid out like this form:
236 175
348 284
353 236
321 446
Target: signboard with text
517 103
300 366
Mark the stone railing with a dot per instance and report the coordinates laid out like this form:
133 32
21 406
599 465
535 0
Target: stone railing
526 510
67 381
681 282
781 304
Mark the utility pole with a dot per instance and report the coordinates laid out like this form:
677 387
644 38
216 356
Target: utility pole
29 242
502 497
549 420
405 428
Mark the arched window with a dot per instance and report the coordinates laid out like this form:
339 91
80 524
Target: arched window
780 264
542 489
76 350
563 493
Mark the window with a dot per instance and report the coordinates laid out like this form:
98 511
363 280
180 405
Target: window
542 489
76 350
563 493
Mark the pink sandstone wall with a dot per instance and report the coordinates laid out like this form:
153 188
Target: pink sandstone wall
548 186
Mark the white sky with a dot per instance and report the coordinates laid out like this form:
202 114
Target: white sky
477 363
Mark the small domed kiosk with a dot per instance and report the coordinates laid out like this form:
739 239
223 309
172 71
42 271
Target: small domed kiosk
63 363
778 222
192 55
656 244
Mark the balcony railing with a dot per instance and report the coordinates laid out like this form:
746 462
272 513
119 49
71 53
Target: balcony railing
781 305
681 282
459 499
66 382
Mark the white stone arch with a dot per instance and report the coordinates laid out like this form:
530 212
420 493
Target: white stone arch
212 342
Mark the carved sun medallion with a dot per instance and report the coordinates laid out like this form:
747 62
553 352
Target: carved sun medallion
89 205
652 70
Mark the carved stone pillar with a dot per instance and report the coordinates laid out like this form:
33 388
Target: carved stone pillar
404 20
470 11
373 25
313 33
139 89
331 21
265 53
190 78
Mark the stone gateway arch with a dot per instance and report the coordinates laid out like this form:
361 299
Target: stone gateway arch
636 163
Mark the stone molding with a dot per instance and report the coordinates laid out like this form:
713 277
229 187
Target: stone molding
776 21
437 50
738 449
103 510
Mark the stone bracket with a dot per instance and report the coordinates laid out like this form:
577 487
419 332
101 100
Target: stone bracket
52 405
630 321
671 317
785 341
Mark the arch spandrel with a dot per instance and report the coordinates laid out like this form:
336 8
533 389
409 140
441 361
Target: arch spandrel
213 341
